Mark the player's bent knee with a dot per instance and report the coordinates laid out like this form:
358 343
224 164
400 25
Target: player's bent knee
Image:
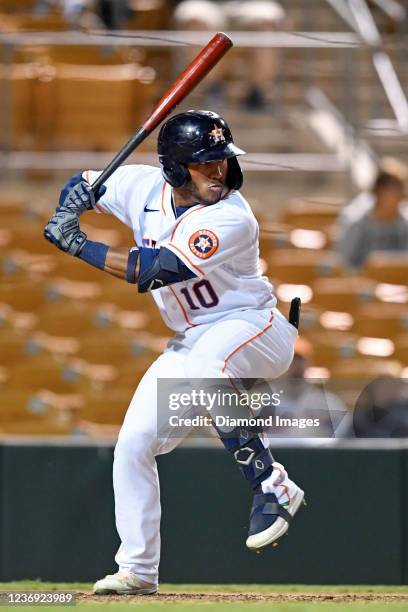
135 444
197 369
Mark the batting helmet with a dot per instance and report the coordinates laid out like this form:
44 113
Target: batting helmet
199 137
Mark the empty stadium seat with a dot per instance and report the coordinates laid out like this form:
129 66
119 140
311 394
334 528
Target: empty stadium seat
302 266
331 346
343 294
363 369
381 319
17 83
387 267
311 214
24 296
98 107
107 408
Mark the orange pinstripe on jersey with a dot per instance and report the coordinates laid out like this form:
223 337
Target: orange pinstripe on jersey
184 217
187 258
162 198
182 308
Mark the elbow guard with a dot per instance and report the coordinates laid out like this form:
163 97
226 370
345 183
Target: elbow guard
165 268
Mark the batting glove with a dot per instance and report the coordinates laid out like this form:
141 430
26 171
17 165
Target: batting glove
81 198
63 230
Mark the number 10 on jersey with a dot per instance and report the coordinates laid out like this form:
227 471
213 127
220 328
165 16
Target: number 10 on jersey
201 294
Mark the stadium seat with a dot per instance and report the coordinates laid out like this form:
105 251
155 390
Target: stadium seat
107 408
331 346
17 83
311 214
302 266
23 296
361 368
401 349
387 267
381 320
149 15
19 265
38 413
98 107
45 372
343 294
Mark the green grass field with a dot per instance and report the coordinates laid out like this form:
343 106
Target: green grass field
200 597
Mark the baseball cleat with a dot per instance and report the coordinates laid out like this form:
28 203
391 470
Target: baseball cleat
270 520
123 583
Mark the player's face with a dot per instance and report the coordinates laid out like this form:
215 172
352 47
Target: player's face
208 181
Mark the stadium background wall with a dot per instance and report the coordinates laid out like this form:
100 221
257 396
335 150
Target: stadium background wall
58 520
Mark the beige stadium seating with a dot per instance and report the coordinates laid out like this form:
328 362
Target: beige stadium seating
365 369
302 266
17 84
150 15
387 267
343 294
72 320
381 320
107 55
331 346
97 107
401 350
14 348
22 6
107 408
74 106
42 373
24 296
30 414
311 214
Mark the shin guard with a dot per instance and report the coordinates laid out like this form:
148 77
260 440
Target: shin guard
255 461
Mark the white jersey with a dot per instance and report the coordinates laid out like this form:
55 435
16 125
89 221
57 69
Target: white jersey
219 243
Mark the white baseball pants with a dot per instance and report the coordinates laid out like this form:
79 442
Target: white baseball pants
250 344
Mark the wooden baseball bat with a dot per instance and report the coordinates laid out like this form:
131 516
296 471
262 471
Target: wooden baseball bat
192 75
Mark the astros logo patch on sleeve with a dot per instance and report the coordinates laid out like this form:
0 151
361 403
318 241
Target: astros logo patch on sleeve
203 243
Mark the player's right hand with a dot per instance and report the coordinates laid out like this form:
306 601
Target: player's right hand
76 194
64 231
79 198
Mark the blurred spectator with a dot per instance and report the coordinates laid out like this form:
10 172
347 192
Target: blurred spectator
382 409
113 13
79 13
375 221
300 398
262 64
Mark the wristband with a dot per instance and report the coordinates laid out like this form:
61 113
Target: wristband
131 265
94 253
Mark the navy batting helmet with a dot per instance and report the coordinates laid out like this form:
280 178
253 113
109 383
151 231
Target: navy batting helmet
199 137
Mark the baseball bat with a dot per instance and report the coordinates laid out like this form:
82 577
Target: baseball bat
192 75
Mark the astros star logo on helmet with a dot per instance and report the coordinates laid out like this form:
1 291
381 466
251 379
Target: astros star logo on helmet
218 134
203 243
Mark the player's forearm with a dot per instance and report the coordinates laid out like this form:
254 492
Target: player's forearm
116 262
120 262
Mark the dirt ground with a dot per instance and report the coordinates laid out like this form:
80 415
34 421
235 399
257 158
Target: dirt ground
249 597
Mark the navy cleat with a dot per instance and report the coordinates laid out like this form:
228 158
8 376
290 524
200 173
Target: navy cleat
269 520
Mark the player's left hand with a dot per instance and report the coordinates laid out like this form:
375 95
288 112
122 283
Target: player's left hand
64 231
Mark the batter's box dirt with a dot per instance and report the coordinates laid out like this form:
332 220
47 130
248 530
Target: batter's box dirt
247 597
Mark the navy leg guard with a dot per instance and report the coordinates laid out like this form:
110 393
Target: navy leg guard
254 460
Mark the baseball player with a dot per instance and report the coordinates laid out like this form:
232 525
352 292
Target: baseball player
197 253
